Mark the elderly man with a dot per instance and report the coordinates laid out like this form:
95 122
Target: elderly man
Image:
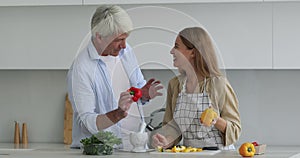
101 74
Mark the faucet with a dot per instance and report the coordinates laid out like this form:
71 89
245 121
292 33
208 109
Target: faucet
149 126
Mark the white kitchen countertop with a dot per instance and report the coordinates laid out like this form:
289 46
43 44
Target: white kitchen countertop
38 150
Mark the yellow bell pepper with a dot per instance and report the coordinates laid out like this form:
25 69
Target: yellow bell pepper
208 116
247 150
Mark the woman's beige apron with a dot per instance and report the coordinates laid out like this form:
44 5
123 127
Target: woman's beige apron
189 107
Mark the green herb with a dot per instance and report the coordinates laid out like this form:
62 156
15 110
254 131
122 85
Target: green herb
100 143
108 138
92 140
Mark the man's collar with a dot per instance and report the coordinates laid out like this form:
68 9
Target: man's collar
92 51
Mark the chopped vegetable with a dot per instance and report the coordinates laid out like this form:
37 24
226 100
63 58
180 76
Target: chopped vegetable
160 149
179 148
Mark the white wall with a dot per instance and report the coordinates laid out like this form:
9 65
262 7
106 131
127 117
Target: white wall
268 104
34 97
268 100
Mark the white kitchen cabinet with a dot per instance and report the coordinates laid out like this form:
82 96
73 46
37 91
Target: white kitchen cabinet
41 37
39 2
152 38
243 32
95 2
286 36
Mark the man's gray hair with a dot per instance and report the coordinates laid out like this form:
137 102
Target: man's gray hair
109 20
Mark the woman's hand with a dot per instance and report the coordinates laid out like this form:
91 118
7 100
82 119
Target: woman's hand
160 140
150 90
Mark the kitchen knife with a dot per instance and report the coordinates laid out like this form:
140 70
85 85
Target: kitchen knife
210 148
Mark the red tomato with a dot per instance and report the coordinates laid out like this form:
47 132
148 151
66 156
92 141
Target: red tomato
255 143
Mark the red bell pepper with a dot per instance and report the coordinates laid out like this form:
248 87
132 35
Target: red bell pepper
136 92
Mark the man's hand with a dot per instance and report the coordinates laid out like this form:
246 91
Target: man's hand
150 90
125 102
112 117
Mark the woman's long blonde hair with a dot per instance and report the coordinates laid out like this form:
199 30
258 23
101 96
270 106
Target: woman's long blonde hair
205 60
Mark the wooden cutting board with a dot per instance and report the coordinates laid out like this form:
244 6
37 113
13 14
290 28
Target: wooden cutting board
68 120
204 152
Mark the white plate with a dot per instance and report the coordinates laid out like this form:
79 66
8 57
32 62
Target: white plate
204 152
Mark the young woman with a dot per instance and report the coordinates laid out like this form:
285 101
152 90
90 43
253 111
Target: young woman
200 86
